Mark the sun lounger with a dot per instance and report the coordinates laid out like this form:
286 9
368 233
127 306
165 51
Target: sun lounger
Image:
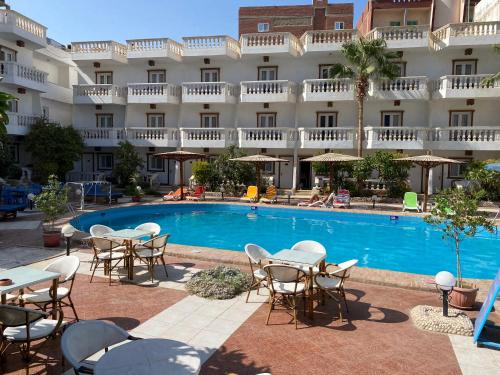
251 195
342 199
198 194
271 195
410 202
175 195
326 202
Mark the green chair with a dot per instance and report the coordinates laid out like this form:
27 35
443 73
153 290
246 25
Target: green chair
410 202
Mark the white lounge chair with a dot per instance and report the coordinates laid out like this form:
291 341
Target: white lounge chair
256 255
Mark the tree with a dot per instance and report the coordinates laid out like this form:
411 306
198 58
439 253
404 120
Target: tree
54 148
366 60
206 175
231 174
490 80
52 201
128 162
456 215
5 157
486 180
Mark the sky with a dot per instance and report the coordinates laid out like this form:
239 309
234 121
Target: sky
82 20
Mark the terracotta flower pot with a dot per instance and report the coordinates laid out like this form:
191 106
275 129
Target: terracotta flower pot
51 239
463 298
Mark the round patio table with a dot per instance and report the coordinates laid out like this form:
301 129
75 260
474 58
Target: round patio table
150 356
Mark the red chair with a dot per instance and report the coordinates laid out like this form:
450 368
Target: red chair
198 194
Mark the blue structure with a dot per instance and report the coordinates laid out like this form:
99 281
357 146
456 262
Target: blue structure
481 319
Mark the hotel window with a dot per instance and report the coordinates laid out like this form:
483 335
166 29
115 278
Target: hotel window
458 170
104 120
392 119
210 75
263 27
266 120
394 23
155 164
14 152
209 120
326 120
324 71
7 54
339 25
157 76
267 73
104 161
13 106
411 22
461 118
464 67
104 78
156 120
268 168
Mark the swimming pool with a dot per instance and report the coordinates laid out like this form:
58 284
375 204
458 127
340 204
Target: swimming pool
407 244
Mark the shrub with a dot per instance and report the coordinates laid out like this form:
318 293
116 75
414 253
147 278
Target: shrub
487 181
220 282
52 201
205 174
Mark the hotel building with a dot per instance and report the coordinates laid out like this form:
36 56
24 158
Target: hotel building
268 91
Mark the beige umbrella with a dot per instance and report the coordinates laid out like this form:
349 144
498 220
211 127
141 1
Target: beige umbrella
181 157
332 158
427 162
259 161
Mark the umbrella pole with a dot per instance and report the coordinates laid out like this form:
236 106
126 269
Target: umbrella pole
426 188
181 170
258 165
332 177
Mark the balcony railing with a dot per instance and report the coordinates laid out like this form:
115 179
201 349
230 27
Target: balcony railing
154 48
209 92
99 50
207 137
267 137
400 88
321 138
153 93
153 137
268 91
327 40
327 89
11 21
466 34
98 94
259 43
469 134
401 36
20 124
23 75
102 137
211 46
466 86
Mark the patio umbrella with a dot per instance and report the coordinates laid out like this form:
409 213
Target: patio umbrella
332 158
493 167
181 157
259 161
427 162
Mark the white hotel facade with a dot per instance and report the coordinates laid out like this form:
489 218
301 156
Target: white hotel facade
265 93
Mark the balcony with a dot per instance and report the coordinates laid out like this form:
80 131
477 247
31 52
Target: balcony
209 92
153 137
24 76
326 41
466 35
102 50
267 137
323 138
98 94
464 87
268 91
153 93
270 43
20 124
207 137
102 137
325 90
219 45
58 93
158 48
15 26
401 37
399 138
400 89
477 138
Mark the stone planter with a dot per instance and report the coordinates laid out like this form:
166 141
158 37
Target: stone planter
51 238
463 298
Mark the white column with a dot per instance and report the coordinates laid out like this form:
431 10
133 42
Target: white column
177 178
295 169
431 182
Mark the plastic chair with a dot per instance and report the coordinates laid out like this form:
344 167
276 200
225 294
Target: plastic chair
153 228
151 251
256 255
106 251
310 246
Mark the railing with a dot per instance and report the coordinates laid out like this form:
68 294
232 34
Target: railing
98 90
270 40
399 33
474 28
400 84
152 134
395 134
327 134
10 17
466 82
154 44
153 89
328 37
329 86
103 134
268 87
468 134
268 134
29 73
211 42
21 120
207 134
209 88
99 47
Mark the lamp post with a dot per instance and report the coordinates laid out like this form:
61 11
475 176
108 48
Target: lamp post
30 197
222 190
445 282
68 231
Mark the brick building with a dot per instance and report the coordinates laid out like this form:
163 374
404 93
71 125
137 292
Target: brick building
297 19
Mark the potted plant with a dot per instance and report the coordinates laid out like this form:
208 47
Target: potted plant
133 189
456 214
52 202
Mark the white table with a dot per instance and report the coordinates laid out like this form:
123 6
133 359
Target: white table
151 357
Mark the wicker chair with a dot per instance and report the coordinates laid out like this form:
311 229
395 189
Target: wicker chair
152 251
153 228
256 255
98 230
106 251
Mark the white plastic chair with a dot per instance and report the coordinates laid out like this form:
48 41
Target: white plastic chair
312 247
151 251
98 230
84 339
153 228
256 255
106 251
67 267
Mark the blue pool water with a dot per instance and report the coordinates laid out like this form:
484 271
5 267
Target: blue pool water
407 244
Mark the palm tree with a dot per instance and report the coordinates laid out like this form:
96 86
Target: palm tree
366 60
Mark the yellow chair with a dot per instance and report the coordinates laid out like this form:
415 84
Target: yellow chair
271 195
251 195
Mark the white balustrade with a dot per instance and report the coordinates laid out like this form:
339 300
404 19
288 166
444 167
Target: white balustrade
20 124
102 136
208 92
327 137
95 94
400 88
157 137
153 93
207 137
270 42
323 40
466 86
23 75
154 47
466 34
17 20
487 10
328 89
469 134
211 45
278 91
401 36
99 50
267 137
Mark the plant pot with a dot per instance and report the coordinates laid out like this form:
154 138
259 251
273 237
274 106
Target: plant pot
463 298
136 199
51 239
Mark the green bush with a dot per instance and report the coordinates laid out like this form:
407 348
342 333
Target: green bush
128 162
52 201
487 181
221 282
206 174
